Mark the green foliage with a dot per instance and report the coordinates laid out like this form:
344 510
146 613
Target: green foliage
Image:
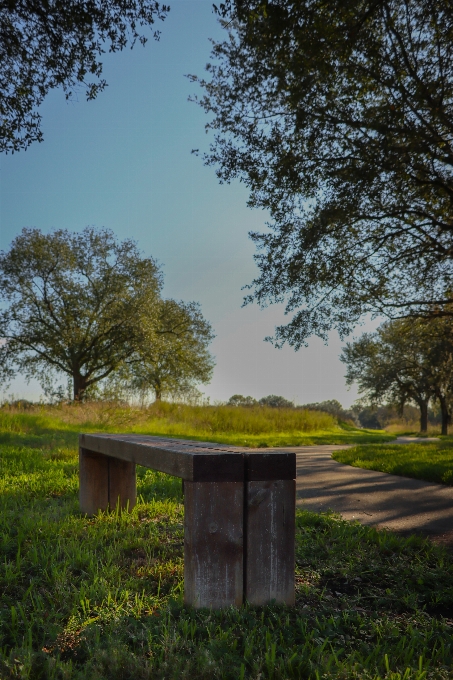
432 462
100 598
76 303
240 400
338 117
274 401
180 359
89 307
405 361
255 420
252 427
58 45
391 418
334 407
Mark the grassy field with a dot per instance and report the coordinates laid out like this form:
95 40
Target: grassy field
432 462
251 427
101 598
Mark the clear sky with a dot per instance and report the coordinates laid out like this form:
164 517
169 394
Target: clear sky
124 162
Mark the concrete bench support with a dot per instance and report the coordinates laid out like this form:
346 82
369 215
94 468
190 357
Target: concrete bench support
239 511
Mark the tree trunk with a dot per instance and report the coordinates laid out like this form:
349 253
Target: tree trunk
445 414
158 390
80 386
423 416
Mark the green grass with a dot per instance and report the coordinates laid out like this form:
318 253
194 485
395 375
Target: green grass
249 427
432 462
101 598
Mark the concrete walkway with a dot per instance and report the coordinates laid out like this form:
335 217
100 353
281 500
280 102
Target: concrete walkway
373 498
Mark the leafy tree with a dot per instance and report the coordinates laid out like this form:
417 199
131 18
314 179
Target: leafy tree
240 400
388 367
44 45
369 418
331 406
338 116
271 400
81 304
379 417
404 362
275 401
439 354
179 358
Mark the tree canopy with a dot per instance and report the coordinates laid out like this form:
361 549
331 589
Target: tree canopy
333 407
180 358
403 362
276 401
79 303
272 400
240 400
44 45
338 116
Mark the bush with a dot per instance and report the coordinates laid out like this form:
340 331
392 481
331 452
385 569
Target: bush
274 401
334 407
381 417
240 400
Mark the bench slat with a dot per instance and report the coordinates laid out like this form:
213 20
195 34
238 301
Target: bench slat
191 461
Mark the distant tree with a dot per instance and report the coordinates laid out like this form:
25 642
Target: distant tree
81 304
240 400
379 417
44 45
274 401
404 362
369 418
331 406
179 358
438 344
338 117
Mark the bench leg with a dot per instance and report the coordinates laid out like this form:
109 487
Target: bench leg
213 544
105 482
122 484
270 542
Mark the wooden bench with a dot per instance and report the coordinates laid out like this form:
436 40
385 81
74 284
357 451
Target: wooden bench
239 511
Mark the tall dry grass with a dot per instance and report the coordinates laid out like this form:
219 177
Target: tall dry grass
168 418
413 426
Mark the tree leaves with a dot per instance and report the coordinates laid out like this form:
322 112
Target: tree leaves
179 358
44 45
78 303
338 116
404 361
89 306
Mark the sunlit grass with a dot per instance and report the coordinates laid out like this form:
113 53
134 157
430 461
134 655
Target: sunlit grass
101 598
432 461
239 426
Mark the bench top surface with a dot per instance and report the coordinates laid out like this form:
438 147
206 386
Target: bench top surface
187 446
193 460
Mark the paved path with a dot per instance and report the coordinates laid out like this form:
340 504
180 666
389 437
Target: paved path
373 498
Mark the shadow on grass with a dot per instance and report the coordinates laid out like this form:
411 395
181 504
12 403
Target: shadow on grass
107 604
101 597
41 440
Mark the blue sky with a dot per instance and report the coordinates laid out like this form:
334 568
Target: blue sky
124 162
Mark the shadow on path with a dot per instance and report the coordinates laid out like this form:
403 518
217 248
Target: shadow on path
373 498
